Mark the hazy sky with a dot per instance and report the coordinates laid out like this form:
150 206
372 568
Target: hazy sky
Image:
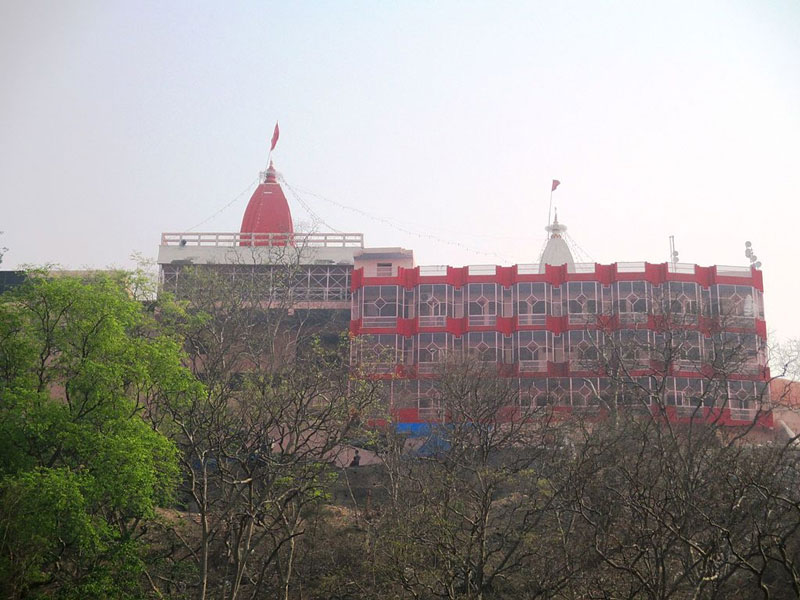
121 120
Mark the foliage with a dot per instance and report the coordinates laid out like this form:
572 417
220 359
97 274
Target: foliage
229 488
80 469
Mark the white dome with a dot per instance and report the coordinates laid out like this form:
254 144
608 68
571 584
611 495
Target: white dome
556 252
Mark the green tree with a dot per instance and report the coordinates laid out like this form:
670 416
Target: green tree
80 470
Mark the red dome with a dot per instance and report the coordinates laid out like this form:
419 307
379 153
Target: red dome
268 212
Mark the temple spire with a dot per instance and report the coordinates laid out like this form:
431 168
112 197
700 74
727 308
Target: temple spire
267 215
556 252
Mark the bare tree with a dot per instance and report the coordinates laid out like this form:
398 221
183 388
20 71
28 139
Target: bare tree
476 514
277 405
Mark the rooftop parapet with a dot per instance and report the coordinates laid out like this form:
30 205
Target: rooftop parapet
300 240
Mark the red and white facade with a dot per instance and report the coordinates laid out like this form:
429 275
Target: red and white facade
692 338
556 329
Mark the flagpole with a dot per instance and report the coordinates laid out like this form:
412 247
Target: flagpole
550 206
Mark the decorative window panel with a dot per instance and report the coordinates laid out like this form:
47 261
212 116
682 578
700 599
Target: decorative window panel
581 301
734 305
432 349
533 392
380 352
583 351
405 394
429 401
483 345
632 301
685 392
631 392
737 352
482 304
558 390
633 348
381 305
683 301
435 304
532 350
532 305
585 392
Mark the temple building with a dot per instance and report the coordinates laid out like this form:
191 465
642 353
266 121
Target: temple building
683 339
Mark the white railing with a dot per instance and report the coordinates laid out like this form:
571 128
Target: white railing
530 269
690 412
529 319
584 268
433 270
482 269
630 267
300 240
686 268
533 366
482 320
378 322
733 271
743 414
432 321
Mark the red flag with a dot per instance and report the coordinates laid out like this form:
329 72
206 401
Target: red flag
275 135
556 182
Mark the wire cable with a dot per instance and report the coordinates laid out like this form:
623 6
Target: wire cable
394 225
228 205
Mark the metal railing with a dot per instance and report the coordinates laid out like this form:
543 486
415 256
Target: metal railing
299 240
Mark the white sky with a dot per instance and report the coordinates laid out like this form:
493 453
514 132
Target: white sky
120 120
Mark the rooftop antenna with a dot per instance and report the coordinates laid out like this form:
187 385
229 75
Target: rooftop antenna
673 254
748 252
